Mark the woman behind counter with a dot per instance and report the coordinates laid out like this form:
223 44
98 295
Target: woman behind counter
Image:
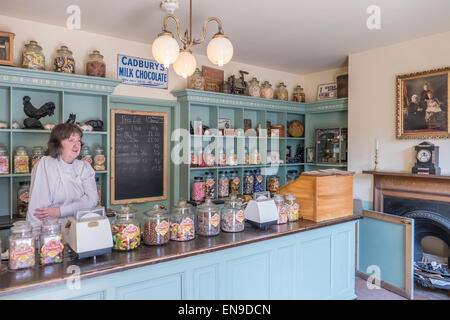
61 184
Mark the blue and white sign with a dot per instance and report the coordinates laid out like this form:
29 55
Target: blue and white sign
142 72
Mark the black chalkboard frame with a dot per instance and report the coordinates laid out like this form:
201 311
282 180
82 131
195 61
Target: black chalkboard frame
113 162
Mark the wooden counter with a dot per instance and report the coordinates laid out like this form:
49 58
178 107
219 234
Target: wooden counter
39 279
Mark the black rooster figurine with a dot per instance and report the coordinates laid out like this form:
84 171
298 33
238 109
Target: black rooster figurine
72 118
34 114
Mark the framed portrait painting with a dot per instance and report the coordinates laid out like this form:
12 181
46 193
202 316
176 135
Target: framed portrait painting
422 105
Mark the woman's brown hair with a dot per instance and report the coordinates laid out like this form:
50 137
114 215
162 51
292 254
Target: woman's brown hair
59 133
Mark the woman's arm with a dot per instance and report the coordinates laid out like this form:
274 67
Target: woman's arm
40 195
89 198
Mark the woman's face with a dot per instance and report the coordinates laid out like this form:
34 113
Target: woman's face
71 147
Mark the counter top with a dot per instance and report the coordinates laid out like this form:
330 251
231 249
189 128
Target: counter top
18 281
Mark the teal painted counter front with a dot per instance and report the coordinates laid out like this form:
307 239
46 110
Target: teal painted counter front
315 264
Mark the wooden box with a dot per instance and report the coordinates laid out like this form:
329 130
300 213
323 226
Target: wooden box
322 197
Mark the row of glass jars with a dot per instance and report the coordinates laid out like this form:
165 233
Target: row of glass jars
281 92
287 207
227 184
181 225
33 58
198 159
21 159
27 244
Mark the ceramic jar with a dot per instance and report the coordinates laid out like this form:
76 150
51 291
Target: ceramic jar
253 88
64 61
32 56
197 80
95 66
281 92
266 90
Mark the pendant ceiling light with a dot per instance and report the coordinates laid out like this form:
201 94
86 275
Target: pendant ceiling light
165 48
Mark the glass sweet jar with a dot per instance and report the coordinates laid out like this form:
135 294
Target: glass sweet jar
198 189
208 219
281 92
23 198
197 80
21 246
182 222
292 207
254 89
281 208
95 66
51 242
156 226
298 94
21 160
64 61
4 160
32 56
266 90
126 230
36 154
85 154
99 159
232 215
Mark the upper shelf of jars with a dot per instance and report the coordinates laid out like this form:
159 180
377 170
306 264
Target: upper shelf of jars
209 98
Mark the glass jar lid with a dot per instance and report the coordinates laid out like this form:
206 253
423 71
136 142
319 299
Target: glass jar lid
208 206
290 196
281 85
21 150
126 212
298 88
266 84
95 55
64 50
98 150
253 81
197 73
182 207
3 151
51 225
278 197
233 201
21 227
157 213
33 45
38 149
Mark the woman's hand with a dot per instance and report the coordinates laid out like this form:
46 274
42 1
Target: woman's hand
47 213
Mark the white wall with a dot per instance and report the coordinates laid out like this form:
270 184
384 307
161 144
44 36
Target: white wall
372 106
312 80
82 43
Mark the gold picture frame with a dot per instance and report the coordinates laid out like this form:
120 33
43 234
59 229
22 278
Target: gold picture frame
422 100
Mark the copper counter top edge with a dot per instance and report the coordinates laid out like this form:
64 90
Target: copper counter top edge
103 271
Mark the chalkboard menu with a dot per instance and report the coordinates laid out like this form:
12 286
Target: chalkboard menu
138 156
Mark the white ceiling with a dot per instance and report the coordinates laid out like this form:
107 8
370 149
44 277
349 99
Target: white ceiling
297 36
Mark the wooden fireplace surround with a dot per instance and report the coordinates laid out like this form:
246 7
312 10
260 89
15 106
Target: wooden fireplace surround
408 185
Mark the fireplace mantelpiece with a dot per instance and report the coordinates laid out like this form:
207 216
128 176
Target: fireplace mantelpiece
407 185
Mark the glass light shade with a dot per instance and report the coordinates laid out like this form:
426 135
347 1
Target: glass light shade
185 64
165 49
219 50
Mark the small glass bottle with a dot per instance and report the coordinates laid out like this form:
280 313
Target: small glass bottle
281 92
210 185
85 154
248 182
36 154
232 215
208 219
182 222
266 90
32 56
95 66
223 185
197 80
64 61
99 159
198 189
298 94
51 244
21 161
253 88
4 160
258 181
23 198
99 192
235 183
281 208
126 231
156 226
292 207
21 246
